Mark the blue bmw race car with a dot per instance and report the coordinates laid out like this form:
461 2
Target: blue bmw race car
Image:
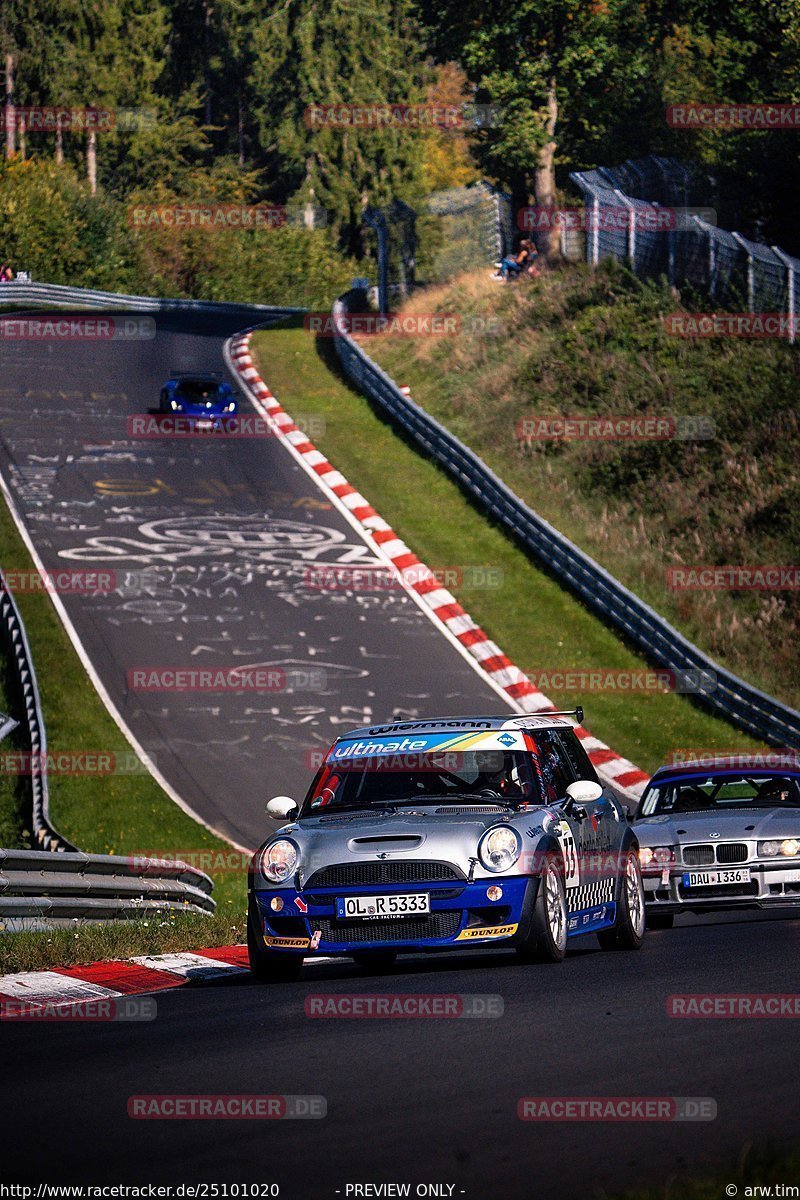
205 397
444 834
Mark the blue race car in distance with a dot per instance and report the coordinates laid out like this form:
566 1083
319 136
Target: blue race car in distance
205 397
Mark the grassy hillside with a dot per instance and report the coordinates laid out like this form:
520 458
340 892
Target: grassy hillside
576 343
535 621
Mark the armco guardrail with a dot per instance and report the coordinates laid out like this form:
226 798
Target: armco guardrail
20 662
64 887
21 293
724 693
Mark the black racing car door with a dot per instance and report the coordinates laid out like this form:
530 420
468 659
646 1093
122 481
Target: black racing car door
588 831
599 827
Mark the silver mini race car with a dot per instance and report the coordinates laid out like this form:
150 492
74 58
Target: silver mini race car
720 834
443 834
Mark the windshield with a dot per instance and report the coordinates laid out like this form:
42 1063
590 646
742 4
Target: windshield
439 777
198 390
715 794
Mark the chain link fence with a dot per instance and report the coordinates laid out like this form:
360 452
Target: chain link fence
641 213
468 227
454 231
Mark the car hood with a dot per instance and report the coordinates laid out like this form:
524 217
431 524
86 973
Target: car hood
423 834
759 823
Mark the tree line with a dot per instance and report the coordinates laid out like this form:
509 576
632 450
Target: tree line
226 87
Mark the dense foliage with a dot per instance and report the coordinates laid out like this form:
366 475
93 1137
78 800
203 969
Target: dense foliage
226 87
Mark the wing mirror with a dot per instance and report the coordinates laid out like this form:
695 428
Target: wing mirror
282 808
581 792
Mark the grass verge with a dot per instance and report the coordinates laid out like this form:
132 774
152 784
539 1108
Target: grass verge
158 933
536 622
594 344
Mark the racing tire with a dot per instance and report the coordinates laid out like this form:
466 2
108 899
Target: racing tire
276 967
376 961
657 920
546 940
627 932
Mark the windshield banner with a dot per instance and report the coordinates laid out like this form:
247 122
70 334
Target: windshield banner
426 743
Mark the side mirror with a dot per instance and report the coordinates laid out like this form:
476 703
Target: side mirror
583 791
282 808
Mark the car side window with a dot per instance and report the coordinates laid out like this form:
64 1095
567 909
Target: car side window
556 767
578 758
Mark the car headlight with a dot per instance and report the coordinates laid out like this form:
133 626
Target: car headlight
789 848
230 407
279 860
660 856
499 848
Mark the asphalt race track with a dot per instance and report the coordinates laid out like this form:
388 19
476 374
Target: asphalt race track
212 542
423 1100
218 548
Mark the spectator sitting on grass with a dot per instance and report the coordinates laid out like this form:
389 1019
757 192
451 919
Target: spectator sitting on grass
6 274
512 265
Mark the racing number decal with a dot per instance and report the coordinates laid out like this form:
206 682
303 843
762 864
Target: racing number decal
572 874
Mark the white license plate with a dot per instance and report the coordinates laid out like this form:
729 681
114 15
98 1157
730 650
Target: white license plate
716 878
382 906
204 423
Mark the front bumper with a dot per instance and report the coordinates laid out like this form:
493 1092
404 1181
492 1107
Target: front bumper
769 885
461 914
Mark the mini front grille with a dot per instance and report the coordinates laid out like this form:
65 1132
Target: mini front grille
408 871
732 852
698 856
436 925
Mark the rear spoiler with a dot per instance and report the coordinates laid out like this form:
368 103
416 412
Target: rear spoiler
577 713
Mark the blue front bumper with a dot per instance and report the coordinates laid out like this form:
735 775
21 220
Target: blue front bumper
461 914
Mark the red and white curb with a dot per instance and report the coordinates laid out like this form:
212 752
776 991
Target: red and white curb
66 987
443 608
112 980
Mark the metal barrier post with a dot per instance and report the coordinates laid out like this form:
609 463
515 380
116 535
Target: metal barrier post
631 225
788 263
751 278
